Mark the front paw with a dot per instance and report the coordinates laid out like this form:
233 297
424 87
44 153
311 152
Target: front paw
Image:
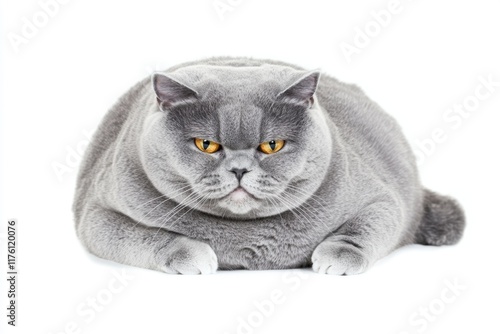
338 258
188 257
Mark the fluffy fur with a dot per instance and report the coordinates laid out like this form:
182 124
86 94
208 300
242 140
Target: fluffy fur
342 193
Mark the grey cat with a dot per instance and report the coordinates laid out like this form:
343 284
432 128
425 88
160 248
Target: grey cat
235 163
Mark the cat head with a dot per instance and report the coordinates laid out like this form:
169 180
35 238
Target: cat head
239 142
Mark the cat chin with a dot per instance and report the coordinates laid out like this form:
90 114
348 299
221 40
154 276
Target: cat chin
239 202
239 208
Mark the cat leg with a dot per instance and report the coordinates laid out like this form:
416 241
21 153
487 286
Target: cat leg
360 241
113 236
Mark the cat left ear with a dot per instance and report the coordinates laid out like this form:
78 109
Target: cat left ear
170 91
302 90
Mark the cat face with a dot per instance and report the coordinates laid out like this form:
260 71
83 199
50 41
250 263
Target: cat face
236 142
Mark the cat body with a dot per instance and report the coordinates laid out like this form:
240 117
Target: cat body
339 190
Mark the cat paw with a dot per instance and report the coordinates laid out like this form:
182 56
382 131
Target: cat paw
337 258
188 257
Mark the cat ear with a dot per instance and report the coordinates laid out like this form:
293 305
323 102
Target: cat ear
302 90
170 91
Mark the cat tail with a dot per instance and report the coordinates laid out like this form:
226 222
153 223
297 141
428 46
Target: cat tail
443 221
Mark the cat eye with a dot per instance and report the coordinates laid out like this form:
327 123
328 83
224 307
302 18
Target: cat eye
206 146
272 146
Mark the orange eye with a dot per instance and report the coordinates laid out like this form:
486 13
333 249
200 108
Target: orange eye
272 146
206 146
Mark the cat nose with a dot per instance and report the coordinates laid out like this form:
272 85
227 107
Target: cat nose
238 172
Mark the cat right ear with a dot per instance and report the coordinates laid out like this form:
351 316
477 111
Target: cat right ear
302 90
170 91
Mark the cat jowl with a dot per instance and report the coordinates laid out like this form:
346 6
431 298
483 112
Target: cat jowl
236 163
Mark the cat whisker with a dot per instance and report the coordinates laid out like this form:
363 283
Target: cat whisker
298 202
311 196
302 207
192 198
292 210
199 203
179 192
153 199
316 213
273 203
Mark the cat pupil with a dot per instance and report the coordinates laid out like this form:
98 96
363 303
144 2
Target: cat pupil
272 144
206 143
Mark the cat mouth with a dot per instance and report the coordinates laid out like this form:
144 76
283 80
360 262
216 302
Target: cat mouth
240 194
239 201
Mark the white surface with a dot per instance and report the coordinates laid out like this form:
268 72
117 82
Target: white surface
59 85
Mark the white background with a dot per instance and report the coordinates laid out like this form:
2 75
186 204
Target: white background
57 85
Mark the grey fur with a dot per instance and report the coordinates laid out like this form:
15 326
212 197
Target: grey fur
341 194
